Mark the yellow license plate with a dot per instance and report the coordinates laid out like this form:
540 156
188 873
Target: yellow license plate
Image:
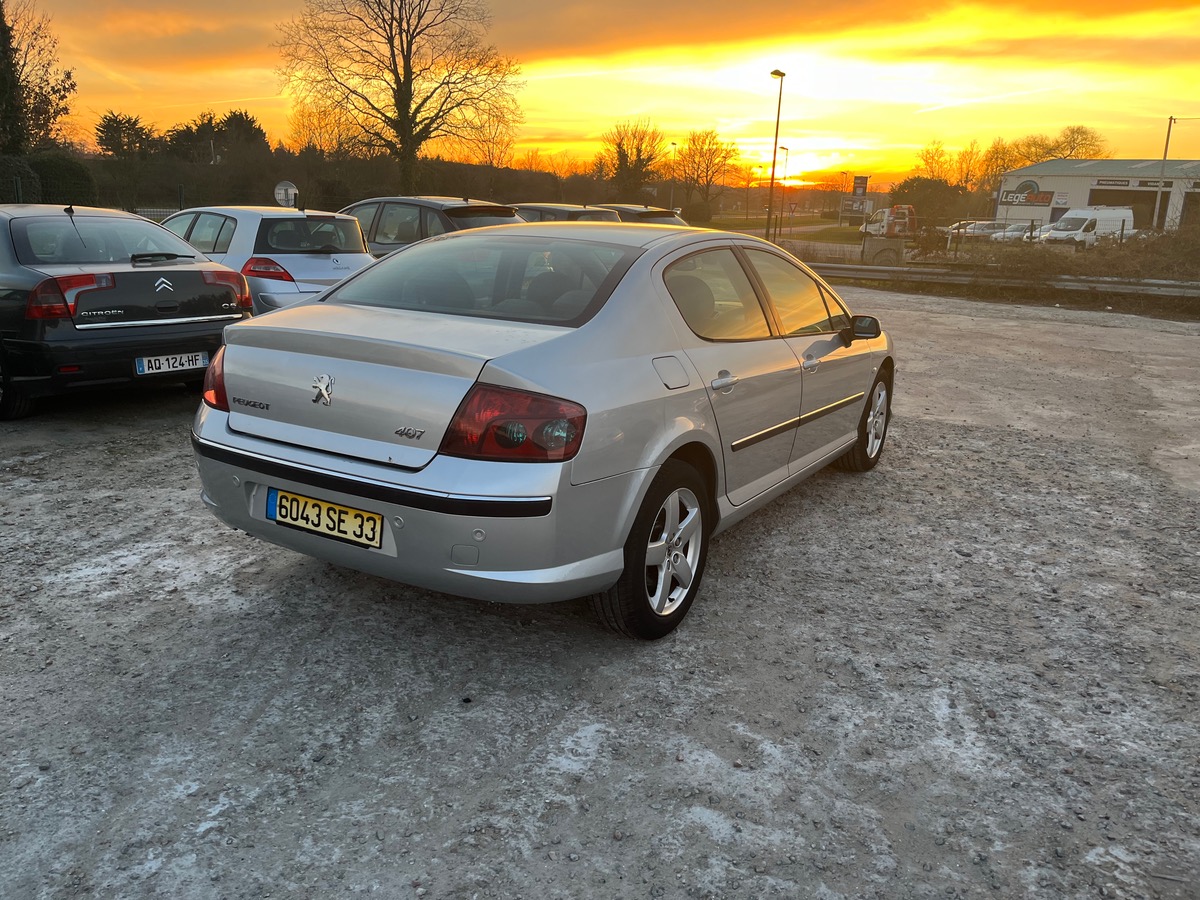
344 523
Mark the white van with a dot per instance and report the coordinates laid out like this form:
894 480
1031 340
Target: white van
1084 224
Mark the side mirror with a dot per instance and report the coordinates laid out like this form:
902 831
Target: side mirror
862 327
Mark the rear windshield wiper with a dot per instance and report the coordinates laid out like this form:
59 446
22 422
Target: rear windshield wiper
136 258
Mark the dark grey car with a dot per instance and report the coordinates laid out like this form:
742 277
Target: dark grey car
91 298
645 215
565 212
390 223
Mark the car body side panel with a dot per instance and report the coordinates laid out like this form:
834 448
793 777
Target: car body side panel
836 380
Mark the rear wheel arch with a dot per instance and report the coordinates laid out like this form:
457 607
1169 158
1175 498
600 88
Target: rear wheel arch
700 458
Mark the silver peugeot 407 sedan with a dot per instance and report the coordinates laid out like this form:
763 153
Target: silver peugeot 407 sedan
539 412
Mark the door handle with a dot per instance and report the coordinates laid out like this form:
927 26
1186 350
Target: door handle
810 364
724 381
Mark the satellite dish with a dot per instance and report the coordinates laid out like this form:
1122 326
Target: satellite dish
286 194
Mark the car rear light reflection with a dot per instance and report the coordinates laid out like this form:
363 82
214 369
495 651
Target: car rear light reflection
235 280
265 267
507 425
58 298
214 383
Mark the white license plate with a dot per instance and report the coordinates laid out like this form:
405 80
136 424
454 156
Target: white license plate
344 523
172 362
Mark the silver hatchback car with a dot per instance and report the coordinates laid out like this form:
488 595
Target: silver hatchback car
540 412
285 254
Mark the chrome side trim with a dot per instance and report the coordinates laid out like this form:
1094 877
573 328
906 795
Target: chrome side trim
832 407
774 430
188 321
764 435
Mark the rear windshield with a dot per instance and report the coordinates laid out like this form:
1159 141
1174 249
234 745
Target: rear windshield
478 216
87 240
310 234
659 217
525 278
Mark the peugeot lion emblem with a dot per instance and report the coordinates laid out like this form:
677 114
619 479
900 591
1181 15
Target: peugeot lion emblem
323 385
163 285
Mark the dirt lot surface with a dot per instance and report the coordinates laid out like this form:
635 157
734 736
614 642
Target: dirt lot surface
972 672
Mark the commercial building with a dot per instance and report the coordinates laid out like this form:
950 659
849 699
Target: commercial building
1043 193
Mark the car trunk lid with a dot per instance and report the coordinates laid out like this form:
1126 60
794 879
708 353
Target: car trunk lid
138 294
369 383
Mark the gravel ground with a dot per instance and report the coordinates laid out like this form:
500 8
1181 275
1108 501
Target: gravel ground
971 672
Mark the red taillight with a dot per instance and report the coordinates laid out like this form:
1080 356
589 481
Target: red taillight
507 425
235 280
264 267
214 382
58 298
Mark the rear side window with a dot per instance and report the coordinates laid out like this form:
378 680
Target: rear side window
529 279
211 233
399 223
87 240
365 215
716 298
309 234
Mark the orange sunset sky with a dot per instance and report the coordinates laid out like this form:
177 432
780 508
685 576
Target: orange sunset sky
869 82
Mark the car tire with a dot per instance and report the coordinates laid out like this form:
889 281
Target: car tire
872 429
14 404
664 557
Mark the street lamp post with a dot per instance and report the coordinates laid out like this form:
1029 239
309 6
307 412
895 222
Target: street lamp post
774 150
842 195
1162 171
783 204
671 203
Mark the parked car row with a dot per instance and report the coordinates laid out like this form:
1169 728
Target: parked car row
526 413
95 297
1079 227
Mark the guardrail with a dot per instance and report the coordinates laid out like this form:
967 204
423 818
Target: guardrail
929 275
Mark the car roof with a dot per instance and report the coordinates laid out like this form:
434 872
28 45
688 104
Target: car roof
562 206
25 210
267 212
641 207
628 234
430 200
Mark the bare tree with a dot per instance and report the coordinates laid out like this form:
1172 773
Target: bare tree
1073 142
630 156
702 164
967 165
405 72
934 162
326 129
46 87
488 142
997 159
1080 142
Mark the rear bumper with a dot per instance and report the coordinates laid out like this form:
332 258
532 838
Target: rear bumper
527 536
43 368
